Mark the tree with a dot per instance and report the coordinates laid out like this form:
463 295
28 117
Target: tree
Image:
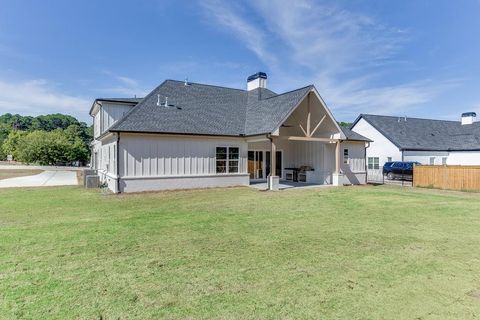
4 131
50 148
46 148
53 121
11 143
344 124
17 132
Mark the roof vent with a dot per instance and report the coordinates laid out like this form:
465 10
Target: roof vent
165 104
468 118
257 80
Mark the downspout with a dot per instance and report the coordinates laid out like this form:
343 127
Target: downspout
118 162
366 162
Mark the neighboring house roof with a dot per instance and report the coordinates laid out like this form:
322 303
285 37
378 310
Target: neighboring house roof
210 110
351 135
425 134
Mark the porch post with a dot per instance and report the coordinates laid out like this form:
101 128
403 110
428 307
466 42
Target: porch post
337 157
336 178
273 180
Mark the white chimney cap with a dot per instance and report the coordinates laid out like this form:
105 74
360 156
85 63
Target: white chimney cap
468 117
257 80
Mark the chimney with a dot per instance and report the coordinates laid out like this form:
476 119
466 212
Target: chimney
468 118
257 80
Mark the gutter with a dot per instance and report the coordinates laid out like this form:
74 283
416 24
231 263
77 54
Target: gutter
366 162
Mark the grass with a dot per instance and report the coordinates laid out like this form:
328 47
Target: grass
13 173
339 253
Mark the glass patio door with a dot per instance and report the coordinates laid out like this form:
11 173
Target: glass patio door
278 164
255 165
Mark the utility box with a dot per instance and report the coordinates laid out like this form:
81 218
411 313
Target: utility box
92 181
88 172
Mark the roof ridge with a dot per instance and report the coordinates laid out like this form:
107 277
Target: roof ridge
287 92
416 118
206 85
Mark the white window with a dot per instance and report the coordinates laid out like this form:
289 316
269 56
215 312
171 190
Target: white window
227 159
373 163
345 155
444 160
432 160
389 159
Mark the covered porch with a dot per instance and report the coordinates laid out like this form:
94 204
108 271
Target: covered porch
297 162
304 151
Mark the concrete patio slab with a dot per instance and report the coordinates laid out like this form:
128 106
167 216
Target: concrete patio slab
44 179
285 185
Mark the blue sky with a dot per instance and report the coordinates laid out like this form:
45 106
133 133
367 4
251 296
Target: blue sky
413 57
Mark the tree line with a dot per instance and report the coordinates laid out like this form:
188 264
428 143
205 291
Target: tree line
47 140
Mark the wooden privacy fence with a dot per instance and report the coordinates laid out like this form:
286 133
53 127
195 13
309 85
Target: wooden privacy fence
447 177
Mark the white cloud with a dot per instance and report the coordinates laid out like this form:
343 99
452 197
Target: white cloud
123 86
35 97
340 51
326 37
254 38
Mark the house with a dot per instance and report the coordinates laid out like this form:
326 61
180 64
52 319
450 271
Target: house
191 135
427 141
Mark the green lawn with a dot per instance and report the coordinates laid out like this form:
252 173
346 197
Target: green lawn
337 253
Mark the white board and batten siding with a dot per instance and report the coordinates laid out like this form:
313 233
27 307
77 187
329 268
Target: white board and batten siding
156 162
108 114
353 167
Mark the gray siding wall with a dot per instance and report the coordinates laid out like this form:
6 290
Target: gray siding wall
166 156
161 162
111 113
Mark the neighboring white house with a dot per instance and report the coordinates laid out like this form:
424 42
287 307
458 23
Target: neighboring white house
426 141
190 135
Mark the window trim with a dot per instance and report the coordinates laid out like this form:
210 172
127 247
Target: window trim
347 158
375 164
227 160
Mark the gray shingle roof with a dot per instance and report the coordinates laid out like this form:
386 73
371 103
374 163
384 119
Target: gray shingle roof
127 100
351 135
122 100
210 110
426 134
